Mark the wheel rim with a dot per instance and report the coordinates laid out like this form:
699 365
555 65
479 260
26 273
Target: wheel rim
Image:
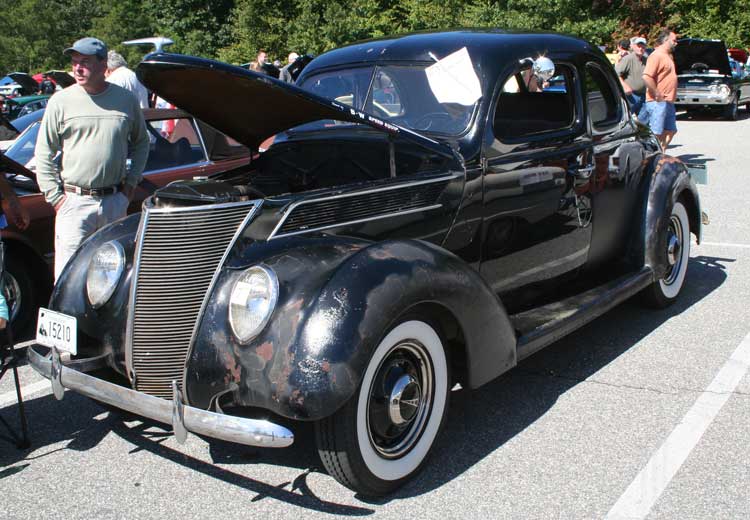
12 292
675 237
400 398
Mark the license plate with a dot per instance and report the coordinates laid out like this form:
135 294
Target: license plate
54 329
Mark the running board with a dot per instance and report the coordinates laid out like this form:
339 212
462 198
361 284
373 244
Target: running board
541 326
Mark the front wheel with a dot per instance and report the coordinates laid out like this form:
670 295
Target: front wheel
384 434
664 292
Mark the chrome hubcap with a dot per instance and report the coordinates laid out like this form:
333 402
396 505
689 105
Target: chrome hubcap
674 249
404 400
401 398
12 292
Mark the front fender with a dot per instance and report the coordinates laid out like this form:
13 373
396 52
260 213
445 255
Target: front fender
336 302
108 323
669 181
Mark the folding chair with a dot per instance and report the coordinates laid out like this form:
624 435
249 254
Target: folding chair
9 362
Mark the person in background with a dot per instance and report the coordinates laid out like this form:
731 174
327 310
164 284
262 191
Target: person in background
18 215
260 60
46 86
630 71
660 77
623 49
96 123
285 75
118 73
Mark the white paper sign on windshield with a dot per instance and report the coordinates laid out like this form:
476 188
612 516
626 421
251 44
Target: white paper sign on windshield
453 79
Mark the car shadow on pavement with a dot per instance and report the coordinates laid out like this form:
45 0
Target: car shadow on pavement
695 158
77 421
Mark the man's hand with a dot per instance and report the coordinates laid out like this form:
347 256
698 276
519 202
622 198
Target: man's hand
16 213
3 323
128 191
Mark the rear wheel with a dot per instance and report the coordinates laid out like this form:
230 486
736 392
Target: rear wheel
664 292
384 434
731 110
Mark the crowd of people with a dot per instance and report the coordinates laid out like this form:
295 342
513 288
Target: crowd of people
650 83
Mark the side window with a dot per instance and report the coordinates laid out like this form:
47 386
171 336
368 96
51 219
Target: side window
174 142
525 108
602 100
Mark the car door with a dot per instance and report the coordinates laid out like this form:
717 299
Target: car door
618 153
536 226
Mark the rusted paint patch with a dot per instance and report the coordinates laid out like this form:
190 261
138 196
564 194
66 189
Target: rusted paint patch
265 351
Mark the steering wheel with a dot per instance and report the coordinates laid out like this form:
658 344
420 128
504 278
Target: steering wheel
426 121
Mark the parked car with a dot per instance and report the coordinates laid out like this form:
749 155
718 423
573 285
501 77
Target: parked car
191 149
706 79
424 217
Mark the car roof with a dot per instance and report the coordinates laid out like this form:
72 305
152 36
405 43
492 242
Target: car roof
484 45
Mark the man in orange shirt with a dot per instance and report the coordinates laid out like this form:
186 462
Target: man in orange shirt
660 77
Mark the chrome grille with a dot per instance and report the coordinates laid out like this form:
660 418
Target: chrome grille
178 254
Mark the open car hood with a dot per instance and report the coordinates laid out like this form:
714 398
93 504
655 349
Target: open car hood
61 77
692 51
250 107
28 83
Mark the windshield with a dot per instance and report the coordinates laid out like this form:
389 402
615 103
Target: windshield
401 94
22 149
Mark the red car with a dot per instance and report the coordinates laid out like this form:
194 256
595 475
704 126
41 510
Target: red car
181 148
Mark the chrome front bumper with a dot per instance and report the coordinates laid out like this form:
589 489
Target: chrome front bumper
701 98
251 432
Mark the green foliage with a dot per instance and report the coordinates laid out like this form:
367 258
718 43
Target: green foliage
34 32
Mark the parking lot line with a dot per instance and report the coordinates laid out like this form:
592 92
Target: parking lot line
726 244
650 483
10 397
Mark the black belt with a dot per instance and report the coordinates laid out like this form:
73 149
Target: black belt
92 192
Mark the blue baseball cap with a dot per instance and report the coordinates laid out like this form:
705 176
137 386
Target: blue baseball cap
89 47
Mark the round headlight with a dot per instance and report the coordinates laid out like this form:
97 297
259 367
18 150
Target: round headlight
251 304
714 89
105 270
724 90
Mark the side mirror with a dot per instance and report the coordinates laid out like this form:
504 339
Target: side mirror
543 69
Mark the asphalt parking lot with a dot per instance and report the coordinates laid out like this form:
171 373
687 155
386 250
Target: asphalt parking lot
640 414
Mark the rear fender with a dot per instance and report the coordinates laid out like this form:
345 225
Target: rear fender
668 182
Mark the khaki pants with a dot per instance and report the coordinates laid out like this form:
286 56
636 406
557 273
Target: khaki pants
78 217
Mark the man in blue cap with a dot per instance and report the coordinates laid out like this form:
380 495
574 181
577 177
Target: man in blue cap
94 124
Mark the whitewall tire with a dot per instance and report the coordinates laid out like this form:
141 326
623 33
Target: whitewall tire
382 437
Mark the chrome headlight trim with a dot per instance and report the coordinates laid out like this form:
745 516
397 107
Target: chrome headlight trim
104 272
252 302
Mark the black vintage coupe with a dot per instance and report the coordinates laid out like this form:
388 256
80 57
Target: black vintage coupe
707 80
433 208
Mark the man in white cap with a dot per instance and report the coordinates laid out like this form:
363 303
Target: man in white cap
285 74
630 70
94 124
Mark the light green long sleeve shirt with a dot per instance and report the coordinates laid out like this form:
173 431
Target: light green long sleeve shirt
95 134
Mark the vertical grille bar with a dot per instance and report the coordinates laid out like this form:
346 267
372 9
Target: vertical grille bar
179 254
